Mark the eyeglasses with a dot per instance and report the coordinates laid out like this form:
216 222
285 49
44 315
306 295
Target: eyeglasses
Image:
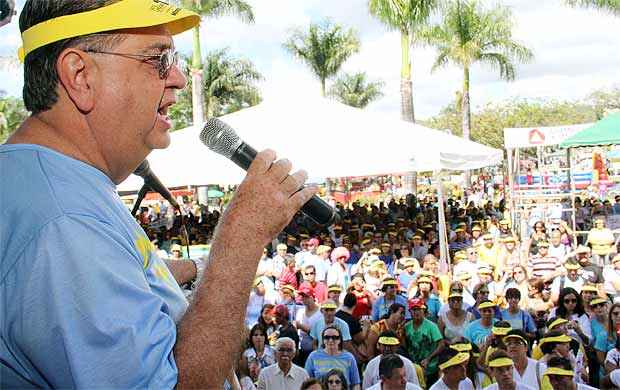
309 273
286 350
334 381
164 61
570 301
615 313
483 292
328 337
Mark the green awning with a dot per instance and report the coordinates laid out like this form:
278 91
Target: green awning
604 132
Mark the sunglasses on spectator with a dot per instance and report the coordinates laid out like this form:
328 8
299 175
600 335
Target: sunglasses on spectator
334 381
570 301
309 273
330 337
285 350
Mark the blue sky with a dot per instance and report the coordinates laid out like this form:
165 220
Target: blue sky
576 51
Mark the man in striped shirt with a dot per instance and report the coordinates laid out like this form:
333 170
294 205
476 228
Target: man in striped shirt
542 265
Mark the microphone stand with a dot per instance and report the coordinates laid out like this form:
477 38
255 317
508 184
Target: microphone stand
141 194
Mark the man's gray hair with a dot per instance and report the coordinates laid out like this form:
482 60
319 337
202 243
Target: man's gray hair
283 340
40 75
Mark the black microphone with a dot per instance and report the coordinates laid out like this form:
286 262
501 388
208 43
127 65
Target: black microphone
222 139
144 171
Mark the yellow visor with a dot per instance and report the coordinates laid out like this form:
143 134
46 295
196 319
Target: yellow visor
559 371
329 306
500 331
500 362
557 322
459 358
597 301
487 305
121 15
464 347
389 341
515 336
557 339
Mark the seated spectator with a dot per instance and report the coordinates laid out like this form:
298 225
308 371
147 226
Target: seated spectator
452 365
393 321
283 375
518 318
320 289
387 344
478 330
335 380
328 309
393 376
560 375
390 296
423 339
258 349
517 347
331 355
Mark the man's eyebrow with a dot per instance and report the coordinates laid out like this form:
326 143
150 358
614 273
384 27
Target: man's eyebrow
157 46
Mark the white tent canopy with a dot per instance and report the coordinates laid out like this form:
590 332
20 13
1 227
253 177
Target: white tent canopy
324 137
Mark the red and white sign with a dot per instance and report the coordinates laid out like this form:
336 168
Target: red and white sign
528 137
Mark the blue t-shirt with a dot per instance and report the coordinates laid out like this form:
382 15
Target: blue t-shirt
381 307
476 333
91 304
316 331
522 320
320 363
601 338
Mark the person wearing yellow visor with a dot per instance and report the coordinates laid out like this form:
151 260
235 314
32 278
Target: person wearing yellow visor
92 305
517 346
560 373
502 369
452 365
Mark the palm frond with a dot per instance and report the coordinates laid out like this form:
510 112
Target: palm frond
612 6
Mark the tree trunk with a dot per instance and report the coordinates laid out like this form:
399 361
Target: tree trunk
197 93
466 115
406 95
323 87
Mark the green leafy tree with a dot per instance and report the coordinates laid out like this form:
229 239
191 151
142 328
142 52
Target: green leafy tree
612 6
12 114
228 85
605 101
324 48
210 9
355 90
407 17
469 34
490 120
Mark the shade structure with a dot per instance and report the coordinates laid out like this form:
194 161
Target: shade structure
604 132
322 136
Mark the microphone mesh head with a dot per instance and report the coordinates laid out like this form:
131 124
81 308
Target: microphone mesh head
220 137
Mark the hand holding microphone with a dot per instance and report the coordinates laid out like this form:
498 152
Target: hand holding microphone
222 139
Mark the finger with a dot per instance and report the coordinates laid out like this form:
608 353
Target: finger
262 162
280 169
292 183
300 198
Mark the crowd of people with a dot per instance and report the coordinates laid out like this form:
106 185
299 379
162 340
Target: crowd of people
367 303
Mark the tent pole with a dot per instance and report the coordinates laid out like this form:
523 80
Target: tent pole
443 236
508 193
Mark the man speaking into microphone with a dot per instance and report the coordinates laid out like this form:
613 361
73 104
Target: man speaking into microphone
85 302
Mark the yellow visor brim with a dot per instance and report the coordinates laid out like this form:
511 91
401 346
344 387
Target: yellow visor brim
117 16
501 362
459 358
559 371
388 340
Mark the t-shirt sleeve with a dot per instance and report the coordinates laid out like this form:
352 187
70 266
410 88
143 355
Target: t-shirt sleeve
435 333
530 326
375 311
346 334
309 367
354 374
96 319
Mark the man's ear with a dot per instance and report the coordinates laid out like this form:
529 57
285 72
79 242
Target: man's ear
76 73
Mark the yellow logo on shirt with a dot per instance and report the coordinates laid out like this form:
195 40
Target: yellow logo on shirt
145 247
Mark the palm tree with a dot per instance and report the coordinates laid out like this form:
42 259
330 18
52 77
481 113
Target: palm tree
470 34
324 48
405 16
210 9
612 6
354 90
228 85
